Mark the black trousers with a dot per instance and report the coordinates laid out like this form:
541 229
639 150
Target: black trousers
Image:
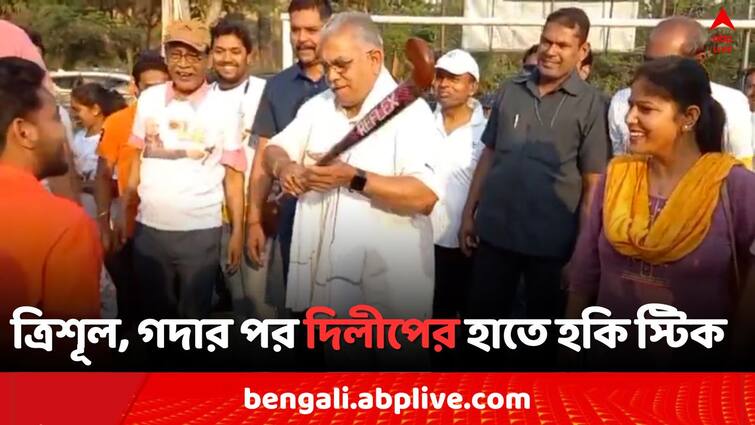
496 275
177 271
120 265
287 211
453 276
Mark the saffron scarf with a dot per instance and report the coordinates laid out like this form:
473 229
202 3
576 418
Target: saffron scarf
683 222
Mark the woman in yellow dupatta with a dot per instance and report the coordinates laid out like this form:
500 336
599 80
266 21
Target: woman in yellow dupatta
660 230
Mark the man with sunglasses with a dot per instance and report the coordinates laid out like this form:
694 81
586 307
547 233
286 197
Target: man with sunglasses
361 234
683 36
190 151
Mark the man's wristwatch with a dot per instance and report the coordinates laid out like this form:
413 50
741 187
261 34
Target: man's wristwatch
358 181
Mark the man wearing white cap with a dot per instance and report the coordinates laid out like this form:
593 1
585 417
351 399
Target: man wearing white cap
460 121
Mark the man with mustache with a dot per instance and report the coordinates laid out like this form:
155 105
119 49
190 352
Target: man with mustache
191 152
231 54
545 146
283 96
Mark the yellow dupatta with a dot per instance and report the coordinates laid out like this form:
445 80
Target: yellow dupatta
683 222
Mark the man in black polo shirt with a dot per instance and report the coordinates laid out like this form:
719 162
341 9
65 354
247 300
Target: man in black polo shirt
545 144
283 96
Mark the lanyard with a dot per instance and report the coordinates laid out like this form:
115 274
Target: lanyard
555 114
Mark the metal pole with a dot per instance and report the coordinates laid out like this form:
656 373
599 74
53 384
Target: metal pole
442 27
608 30
490 29
287 52
166 11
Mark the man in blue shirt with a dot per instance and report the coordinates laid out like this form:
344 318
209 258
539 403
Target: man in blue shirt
283 96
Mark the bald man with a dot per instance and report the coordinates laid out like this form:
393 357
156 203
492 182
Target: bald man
682 36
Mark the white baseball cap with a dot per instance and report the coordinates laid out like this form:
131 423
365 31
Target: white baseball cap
459 62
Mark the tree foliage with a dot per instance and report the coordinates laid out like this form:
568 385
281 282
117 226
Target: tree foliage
77 34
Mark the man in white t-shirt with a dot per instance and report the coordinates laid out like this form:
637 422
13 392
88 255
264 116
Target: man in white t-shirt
361 231
460 121
683 36
231 56
191 152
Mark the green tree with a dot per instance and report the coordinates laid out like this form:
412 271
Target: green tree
76 34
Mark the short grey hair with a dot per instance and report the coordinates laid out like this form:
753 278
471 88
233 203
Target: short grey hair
696 37
366 29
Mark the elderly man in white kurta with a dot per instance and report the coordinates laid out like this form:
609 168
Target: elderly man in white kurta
361 232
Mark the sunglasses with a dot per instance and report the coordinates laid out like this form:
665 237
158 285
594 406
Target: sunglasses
529 68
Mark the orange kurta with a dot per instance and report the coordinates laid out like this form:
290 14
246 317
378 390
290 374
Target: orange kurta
50 253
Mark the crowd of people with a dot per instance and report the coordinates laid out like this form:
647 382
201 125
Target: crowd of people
552 200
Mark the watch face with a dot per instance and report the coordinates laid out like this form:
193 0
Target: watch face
358 181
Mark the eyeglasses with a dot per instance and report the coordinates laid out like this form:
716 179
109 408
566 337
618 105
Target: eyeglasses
191 58
341 65
529 68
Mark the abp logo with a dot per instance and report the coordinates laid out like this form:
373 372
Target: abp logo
722 42
722 19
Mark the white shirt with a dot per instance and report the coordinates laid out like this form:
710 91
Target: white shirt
84 149
185 194
247 98
737 131
458 153
346 251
